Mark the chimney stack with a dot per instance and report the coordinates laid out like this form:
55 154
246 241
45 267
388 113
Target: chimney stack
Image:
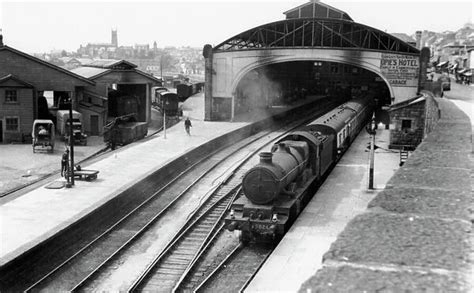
418 39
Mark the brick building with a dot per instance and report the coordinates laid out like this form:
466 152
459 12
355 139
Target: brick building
23 80
412 120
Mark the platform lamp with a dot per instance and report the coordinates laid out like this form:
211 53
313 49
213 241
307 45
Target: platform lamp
71 143
164 101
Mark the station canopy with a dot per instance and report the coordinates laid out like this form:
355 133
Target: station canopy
316 33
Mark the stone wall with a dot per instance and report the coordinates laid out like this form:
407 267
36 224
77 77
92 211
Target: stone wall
415 235
432 113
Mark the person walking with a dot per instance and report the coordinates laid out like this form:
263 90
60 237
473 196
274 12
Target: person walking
65 163
187 125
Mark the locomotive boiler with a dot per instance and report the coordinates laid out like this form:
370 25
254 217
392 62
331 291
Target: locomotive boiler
278 187
276 170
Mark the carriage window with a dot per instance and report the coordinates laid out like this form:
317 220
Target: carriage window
11 124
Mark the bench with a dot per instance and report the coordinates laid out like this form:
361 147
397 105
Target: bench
87 175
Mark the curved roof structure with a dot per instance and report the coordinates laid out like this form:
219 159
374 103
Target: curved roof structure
315 33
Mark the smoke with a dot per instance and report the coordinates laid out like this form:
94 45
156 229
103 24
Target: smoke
257 92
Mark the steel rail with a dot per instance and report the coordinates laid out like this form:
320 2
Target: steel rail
131 213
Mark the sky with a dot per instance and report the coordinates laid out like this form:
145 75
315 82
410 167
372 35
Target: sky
35 26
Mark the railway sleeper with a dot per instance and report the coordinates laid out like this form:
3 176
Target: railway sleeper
180 261
195 237
169 272
171 267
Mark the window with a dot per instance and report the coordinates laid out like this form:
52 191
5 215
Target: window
11 96
406 124
11 124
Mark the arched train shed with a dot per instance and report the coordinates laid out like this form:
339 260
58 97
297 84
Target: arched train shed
317 41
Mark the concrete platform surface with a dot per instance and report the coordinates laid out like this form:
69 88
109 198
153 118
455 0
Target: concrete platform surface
341 197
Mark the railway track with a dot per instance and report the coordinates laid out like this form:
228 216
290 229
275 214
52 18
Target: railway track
236 271
84 263
168 268
83 269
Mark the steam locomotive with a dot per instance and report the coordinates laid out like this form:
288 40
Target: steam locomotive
279 187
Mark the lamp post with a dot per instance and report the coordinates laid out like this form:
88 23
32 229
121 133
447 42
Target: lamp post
372 152
164 114
71 143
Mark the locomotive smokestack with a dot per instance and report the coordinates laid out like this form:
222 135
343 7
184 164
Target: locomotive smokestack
282 147
266 157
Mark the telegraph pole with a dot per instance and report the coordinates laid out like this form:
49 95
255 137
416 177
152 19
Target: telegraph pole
372 152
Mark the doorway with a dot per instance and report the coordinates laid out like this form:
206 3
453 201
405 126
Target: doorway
94 125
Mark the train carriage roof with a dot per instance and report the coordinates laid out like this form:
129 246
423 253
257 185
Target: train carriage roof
357 104
314 139
332 122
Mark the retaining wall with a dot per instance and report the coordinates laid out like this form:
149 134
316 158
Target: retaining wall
416 235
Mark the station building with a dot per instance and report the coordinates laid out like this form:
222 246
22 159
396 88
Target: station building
98 90
23 80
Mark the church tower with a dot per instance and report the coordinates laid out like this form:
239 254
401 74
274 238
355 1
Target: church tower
114 38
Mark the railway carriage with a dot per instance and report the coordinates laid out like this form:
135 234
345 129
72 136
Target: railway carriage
279 187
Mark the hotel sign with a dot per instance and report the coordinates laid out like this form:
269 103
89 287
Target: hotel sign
400 70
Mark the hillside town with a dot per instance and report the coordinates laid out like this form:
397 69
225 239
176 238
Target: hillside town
166 61
452 51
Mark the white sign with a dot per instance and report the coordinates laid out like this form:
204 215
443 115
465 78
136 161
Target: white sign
400 70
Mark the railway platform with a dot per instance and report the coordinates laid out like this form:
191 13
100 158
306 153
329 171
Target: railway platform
39 214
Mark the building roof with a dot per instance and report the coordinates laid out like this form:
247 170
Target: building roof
408 102
50 65
112 64
404 37
314 6
16 80
84 61
93 72
90 72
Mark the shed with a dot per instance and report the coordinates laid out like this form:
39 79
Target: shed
115 79
412 120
